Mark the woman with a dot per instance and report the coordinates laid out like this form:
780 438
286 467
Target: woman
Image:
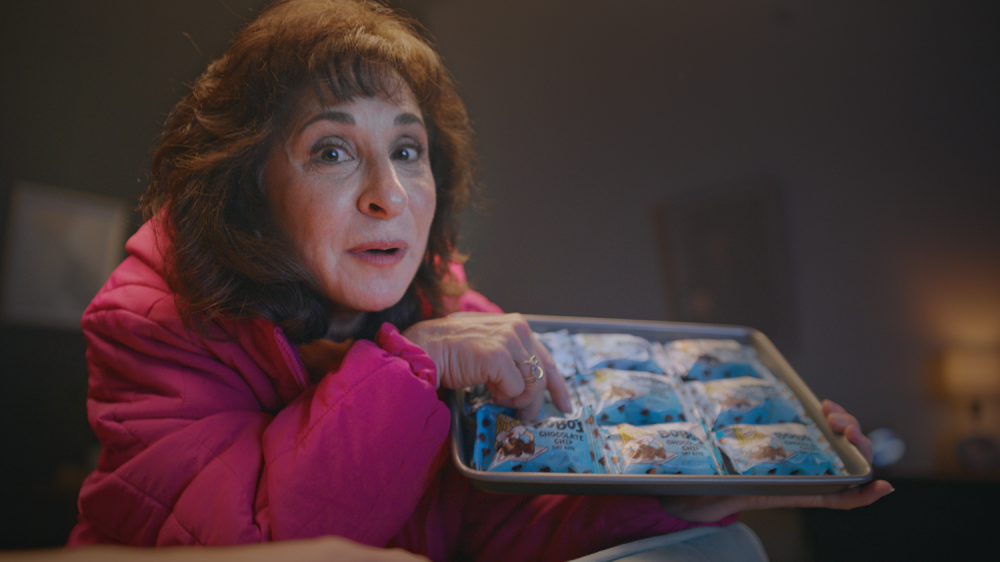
265 363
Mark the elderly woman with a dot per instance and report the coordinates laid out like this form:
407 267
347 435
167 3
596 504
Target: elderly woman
265 364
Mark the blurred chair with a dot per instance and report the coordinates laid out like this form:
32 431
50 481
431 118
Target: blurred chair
733 543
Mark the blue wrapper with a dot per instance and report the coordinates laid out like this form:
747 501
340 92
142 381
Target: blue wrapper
744 400
506 444
709 368
614 351
705 360
782 449
667 448
632 397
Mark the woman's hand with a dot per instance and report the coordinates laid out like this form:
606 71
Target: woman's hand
709 508
491 349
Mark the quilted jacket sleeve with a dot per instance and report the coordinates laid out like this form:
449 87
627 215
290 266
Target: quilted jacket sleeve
353 455
199 448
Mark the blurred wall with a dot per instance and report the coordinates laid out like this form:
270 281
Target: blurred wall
86 86
878 123
875 123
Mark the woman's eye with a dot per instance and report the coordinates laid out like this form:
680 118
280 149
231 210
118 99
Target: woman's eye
407 153
332 154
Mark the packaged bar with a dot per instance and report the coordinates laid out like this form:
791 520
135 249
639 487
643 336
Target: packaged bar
633 397
706 360
785 449
613 351
666 448
504 443
744 400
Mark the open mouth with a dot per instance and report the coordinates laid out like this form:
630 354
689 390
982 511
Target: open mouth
381 254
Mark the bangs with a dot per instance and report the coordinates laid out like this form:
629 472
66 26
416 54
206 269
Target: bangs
356 54
364 65
344 81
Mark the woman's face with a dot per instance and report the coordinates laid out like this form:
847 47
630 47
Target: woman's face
351 185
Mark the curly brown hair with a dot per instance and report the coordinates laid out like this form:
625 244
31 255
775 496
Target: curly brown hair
227 257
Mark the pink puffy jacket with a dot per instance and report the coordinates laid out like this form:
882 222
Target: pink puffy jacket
222 440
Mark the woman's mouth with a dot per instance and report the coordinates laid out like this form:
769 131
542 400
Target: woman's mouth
380 253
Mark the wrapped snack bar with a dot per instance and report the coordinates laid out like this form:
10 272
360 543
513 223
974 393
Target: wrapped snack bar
782 449
706 360
667 448
504 443
614 351
745 400
632 397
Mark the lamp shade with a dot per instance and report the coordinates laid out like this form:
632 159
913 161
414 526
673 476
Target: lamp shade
972 373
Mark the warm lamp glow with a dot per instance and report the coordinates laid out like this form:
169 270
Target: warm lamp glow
972 373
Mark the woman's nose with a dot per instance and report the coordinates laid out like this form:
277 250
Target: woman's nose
383 195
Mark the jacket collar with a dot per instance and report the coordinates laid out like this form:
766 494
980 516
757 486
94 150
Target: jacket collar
262 340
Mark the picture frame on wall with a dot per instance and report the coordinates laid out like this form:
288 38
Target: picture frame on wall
61 245
725 255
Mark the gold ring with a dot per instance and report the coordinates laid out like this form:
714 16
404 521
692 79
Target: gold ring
537 372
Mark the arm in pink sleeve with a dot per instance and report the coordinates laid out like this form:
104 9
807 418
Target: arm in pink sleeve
353 455
193 454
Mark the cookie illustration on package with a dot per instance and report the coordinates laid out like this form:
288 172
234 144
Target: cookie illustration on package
517 444
646 449
783 449
744 400
668 448
614 351
633 397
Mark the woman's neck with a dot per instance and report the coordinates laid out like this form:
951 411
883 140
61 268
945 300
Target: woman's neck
344 325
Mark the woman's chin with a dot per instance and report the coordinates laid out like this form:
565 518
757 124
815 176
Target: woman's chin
369 302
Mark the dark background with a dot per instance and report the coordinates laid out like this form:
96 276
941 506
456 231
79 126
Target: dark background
827 172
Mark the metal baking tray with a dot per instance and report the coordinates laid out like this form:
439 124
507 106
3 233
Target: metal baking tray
860 471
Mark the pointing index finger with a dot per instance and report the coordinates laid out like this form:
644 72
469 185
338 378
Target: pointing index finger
554 381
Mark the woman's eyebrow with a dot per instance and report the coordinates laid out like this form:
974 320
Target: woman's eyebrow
408 119
338 116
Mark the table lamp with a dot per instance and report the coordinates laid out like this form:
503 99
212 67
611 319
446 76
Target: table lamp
971 376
